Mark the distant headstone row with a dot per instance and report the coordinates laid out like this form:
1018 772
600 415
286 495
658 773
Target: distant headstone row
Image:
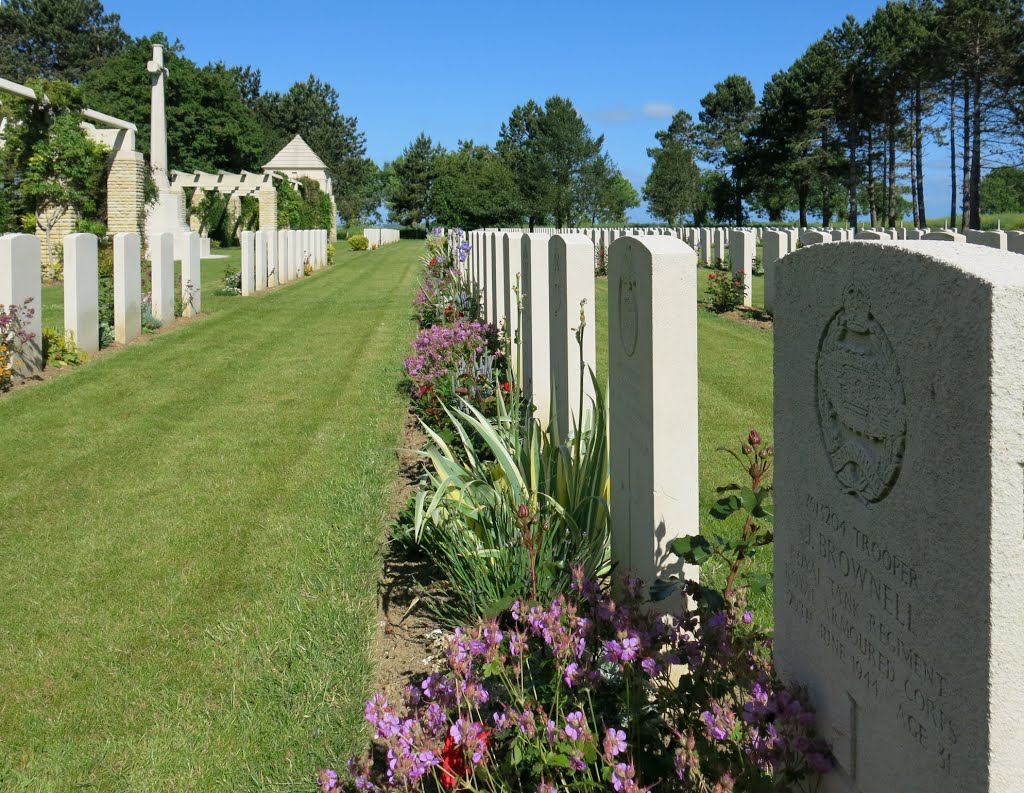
275 258
652 350
269 259
899 514
378 237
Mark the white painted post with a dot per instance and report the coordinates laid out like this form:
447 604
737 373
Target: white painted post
652 393
248 242
21 279
191 275
571 258
127 287
161 256
535 336
81 291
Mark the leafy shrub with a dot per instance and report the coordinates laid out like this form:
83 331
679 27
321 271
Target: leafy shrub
330 253
149 322
724 292
464 359
511 523
86 226
13 339
601 260
358 243
106 311
232 283
60 349
307 269
582 691
445 294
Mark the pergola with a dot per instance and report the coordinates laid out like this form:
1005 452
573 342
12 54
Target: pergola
237 186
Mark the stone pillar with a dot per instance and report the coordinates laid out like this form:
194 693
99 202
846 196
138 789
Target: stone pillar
511 255
742 252
652 352
161 255
21 279
191 275
194 221
81 291
535 335
268 208
157 118
127 287
332 232
125 199
247 240
571 259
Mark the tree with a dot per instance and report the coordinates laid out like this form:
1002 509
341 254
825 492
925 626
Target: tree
727 113
50 165
409 201
569 151
517 146
56 39
1002 190
208 124
473 187
615 196
672 187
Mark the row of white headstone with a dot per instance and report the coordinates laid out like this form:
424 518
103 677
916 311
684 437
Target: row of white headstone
378 237
21 280
898 385
652 350
276 258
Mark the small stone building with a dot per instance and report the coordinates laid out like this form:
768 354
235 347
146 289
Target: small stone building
297 160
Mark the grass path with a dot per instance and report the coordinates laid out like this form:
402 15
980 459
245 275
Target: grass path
191 543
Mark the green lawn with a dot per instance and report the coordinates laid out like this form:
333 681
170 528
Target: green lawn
212 279
191 542
734 377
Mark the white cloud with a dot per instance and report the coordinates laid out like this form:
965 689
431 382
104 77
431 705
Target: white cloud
658 110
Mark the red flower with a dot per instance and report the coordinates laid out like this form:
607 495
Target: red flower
506 386
433 260
453 759
711 276
453 763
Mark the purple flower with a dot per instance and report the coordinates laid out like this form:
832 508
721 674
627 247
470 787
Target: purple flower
575 725
614 742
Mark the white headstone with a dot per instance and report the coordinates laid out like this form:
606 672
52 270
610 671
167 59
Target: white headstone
900 510
774 245
742 252
571 261
652 352
161 255
260 244
511 255
21 279
247 240
127 287
81 290
535 337
191 276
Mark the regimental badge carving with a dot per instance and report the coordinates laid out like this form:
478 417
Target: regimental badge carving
629 318
861 402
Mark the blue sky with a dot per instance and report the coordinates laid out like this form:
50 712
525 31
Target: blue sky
455 70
